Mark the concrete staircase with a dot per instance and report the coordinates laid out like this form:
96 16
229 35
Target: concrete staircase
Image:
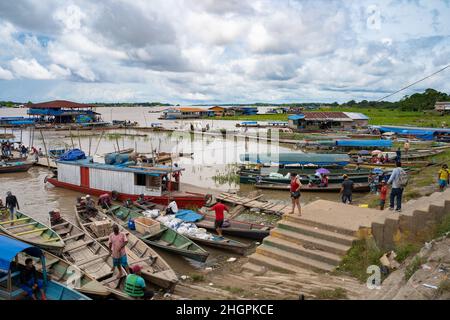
298 243
417 217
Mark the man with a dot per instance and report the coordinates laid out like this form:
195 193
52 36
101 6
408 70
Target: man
172 208
176 174
406 147
11 203
117 243
295 187
29 281
23 151
347 189
443 177
90 206
219 209
141 199
397 187
55 216
135 285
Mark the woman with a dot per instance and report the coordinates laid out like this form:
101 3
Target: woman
296 185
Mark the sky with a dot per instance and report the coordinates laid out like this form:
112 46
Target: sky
221 51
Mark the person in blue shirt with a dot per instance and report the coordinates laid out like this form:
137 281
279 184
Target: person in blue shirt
397 188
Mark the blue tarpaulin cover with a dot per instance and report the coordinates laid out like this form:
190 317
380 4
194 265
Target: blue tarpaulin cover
188 215
364 143
422 133
72 155
296 117
9 248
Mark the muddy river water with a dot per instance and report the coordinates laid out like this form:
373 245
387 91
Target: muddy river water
212 156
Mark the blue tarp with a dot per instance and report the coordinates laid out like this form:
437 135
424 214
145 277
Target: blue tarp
9 248
422 133
249 122
364 143
73 155
296 117
188 215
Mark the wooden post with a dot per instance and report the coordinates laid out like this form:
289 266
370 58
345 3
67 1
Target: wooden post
90 142
117 142
71 138
79 139
45 148
98 144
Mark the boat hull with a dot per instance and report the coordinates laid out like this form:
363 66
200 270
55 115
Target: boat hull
18 168
197 256
358 187
185 200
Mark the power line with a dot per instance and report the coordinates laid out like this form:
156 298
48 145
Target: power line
429 76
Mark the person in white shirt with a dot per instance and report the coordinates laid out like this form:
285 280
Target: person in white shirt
172 208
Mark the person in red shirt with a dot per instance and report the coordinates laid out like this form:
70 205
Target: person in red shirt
295 187
219 209
383 193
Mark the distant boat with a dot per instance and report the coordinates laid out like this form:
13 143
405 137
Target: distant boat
297 158
10 167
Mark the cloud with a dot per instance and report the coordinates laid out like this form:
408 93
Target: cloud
219 51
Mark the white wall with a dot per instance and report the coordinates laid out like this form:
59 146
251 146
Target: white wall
69 174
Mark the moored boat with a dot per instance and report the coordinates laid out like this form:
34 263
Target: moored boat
61 280
297 158
166 238
27 229
10 167
155 268
90 256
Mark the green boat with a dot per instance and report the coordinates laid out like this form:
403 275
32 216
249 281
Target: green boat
304 179
170 240
27 229
166 239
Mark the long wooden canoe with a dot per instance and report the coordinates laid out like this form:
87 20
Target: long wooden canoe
155 268
27 229
67 274
90 256
10 167
236 228
358 187
304 179
166 239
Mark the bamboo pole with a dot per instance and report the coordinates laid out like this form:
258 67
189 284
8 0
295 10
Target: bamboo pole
45 148
117 142
71 138
79 139
90 142
98 144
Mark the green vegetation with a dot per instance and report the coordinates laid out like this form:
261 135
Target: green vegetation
197 277
444 286
234 290
444 227
362 254
405 250
230 178
413 267
328 294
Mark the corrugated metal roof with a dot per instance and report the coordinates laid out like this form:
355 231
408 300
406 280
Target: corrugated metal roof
56 104
331 116
356 116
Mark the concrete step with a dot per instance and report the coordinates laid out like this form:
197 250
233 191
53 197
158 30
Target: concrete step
309 241
257 270
303 250
293 259
300 220
316 232
274 264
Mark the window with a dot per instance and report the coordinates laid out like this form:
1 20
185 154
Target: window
139 179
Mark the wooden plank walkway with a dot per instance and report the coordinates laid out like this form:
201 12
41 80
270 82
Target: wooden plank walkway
254 203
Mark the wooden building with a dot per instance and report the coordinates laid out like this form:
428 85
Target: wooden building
327 120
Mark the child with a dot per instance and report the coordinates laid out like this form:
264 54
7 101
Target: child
383 193
443 177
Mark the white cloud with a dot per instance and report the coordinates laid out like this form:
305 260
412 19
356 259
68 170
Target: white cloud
30 69
5 74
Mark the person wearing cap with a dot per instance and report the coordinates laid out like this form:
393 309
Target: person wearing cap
90 206
11 203
135 285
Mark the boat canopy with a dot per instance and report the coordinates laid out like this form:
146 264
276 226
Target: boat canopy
296 117
421 133
364 143
9 248
297 158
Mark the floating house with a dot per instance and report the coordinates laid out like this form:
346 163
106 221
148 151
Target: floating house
128 181
62 112
218 111
186 113
327 120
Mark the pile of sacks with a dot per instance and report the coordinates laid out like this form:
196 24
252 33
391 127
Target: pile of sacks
151 213
184 228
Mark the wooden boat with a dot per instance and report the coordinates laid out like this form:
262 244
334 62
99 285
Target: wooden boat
166 239
236 228
223 244
250 179
339 171
319 159
9 167
405 164
358 187
155 268
27 229
90 256
62 281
